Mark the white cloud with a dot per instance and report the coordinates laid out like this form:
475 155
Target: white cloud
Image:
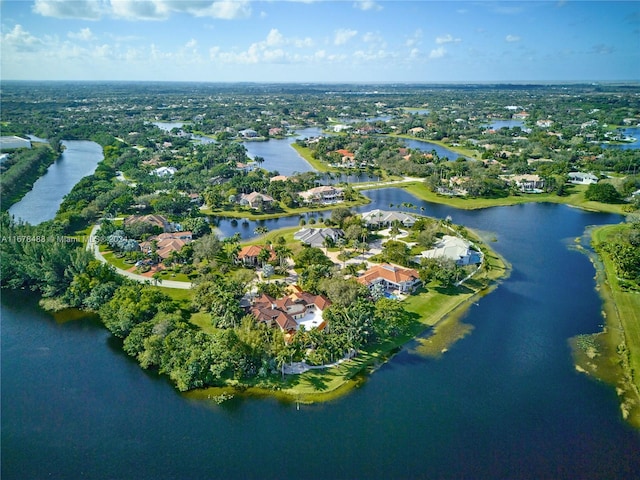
437 52
343 35
268 50
367 5
85 34
224 10
135 10
512 38
80 9
21 40
140 10
414 39
448 38
274 38
193 43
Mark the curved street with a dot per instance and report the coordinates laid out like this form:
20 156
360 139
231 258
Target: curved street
93 246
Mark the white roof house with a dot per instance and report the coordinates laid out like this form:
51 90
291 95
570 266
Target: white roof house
164 172
454 248
379 217
316 236
580 178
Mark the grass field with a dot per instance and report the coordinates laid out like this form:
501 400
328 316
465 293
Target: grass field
574 198
613 356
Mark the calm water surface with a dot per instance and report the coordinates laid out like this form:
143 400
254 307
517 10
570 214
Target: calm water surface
79 159
504 402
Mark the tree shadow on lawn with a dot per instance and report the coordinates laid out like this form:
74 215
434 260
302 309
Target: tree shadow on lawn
317 379
452 291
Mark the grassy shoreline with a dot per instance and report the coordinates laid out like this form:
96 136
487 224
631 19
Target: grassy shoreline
574 198
613 355
439 312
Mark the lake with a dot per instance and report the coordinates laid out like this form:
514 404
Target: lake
632 132
79 159
426 146
504 402
279 155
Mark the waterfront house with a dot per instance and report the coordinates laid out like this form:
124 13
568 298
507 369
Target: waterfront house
381 218
290 312
526 183
315 237
325 194
248 256
391 277
256 200
580 178
454 248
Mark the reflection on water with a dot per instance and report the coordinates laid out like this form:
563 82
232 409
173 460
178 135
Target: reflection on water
79 159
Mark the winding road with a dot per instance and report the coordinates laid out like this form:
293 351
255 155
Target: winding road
93 246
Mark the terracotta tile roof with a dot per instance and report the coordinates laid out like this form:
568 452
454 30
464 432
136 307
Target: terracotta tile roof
390 273
251 251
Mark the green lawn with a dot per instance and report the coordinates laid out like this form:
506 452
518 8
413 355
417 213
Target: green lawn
574 198
615 356
116 261
305 153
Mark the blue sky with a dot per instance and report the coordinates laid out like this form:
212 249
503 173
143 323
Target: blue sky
320 41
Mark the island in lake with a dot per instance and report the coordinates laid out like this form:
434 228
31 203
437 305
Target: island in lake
229 276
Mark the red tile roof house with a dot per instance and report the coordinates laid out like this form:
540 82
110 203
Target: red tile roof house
167 243
392 277
248 255
298 308
156 220
254 199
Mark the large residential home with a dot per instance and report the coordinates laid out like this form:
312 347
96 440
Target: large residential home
325 194
346 157
248 255
166 243
454 248
526 183
391 277
580 178
164 172
248 133
381 218
256 200
291 312
155 220
315 237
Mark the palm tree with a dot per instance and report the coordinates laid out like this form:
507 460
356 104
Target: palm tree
282 253
261 230
264 256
